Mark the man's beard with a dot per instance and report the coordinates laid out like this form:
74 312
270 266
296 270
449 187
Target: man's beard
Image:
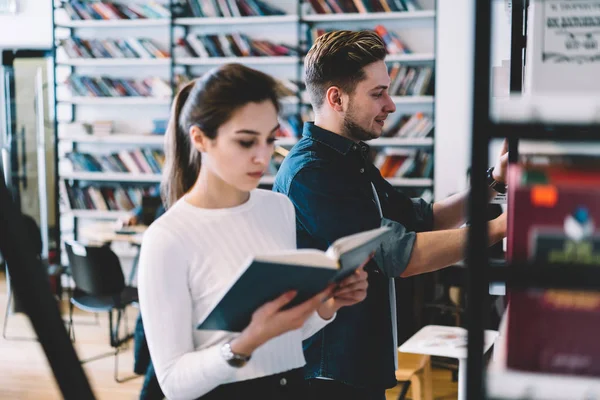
354 131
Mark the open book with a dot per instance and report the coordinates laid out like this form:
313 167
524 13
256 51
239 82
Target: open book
308 271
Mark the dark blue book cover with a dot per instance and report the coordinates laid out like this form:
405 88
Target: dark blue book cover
307 271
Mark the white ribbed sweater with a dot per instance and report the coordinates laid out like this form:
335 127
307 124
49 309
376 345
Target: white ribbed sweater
187 257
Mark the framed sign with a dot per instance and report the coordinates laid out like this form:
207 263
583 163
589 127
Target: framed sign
571 31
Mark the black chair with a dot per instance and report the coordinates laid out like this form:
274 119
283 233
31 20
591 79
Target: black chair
100 287
54 273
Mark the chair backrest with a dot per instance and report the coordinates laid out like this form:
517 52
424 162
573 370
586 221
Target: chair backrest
96 270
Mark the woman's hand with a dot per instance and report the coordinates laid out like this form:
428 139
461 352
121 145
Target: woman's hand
270 320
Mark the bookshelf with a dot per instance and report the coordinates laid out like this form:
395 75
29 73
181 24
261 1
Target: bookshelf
533 124
169 37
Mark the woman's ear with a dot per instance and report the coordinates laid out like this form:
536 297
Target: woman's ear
334 98
198 139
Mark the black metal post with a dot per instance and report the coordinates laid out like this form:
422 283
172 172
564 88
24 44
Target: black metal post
517 46
477 282
31 284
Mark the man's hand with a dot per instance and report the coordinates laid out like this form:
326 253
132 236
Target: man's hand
499 172
350 291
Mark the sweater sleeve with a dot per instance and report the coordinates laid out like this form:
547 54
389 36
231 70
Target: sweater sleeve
314 324
166 306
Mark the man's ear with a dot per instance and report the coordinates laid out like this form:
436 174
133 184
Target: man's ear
334 98
198 139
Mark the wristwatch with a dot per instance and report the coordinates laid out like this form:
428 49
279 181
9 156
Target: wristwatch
494 184
233 359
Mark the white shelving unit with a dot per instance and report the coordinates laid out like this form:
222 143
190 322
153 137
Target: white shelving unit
115 62
117 101
378 16
97 214
401 142
111 177
115 138
273 28
275 19
283 60
508 384
137 112
112 24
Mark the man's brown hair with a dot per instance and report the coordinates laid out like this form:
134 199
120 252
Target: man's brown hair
337 59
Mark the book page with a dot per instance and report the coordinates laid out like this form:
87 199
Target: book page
347 243
306 257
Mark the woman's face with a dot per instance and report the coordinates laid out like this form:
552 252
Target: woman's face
242 150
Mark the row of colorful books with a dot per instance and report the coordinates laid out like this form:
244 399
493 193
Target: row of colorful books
230 45
108 10
106 197
103 86
404 163
231 8
393 42
410 80
362 6
137 161
417 125
554 219
76 47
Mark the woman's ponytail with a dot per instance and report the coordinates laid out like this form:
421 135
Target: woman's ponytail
182 161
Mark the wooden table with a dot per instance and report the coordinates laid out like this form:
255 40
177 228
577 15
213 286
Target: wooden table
446 341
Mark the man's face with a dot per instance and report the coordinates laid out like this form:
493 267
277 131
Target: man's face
369 105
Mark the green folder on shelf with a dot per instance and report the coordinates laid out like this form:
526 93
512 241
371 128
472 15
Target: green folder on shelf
308 271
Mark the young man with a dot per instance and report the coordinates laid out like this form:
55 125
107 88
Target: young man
337 192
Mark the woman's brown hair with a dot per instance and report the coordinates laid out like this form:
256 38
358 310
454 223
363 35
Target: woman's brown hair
208 103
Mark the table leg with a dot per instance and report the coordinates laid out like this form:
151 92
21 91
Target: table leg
462 378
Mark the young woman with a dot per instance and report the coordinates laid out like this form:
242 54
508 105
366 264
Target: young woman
215 220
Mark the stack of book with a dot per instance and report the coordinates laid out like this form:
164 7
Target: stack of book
417 125
554 219
411 80
393 43
137 161
362 6
104 197
404 163
103 86
75 47
231 8
96 10
230 45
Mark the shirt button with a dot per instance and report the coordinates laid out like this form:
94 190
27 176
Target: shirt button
362 170
283 381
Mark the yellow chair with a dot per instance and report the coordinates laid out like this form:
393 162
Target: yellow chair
415 370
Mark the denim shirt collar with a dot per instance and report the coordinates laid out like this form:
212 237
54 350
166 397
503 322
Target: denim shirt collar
336 142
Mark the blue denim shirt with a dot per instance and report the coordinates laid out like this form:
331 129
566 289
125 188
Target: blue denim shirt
329 180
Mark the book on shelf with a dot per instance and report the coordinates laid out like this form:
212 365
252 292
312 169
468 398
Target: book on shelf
362 6
96 10
106 197
308 271
417 125
104 86
229 8
555 209
403 163
230 45
410 80
122 48
136 161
